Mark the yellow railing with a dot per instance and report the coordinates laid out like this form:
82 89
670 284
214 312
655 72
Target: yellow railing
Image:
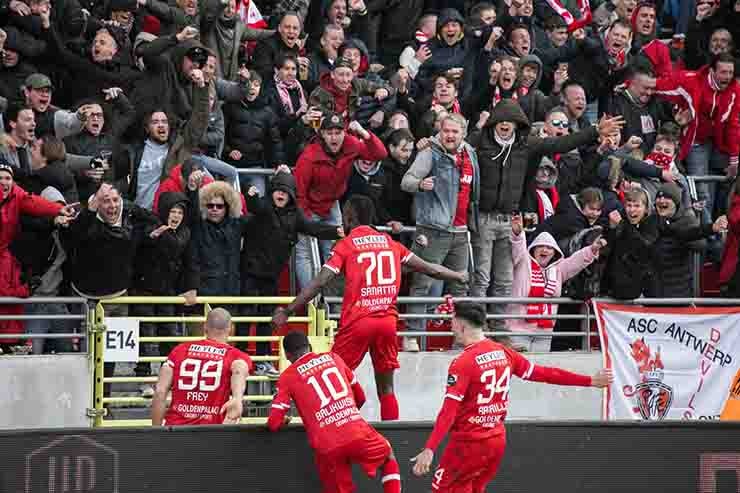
319 329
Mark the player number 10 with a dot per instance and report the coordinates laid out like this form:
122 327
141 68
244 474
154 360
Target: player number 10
332 390
379 261
494 386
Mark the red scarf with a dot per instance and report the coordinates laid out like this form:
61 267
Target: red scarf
660 160
497 96
550 195
540 288
583 6
455 105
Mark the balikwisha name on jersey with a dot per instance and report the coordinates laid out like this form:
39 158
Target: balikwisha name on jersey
370 240
319 360
196 348
484 358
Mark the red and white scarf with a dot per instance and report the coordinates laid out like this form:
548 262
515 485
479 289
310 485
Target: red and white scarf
455 108
283 87
541 287
583 5
546 204
497 96
661 160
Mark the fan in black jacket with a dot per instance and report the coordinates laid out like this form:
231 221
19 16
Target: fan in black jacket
268 242
164 267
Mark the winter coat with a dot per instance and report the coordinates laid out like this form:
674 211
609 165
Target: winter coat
163 265
102 255
569 220
230 54
504 171
252 129
629 265
436 208
671 255
731 252
55 174
560 268
175 182
216 246
640 120
698 34
593 71
322 179
268 52
17 202
324 96
720 124
535 103
273 231
395 203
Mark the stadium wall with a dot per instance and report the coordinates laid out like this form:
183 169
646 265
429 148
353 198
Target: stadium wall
542 457
420 385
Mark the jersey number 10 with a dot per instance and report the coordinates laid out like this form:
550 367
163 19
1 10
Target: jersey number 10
203 375
382 267
329 391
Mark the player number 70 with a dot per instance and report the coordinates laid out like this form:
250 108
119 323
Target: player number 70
382 264
494 386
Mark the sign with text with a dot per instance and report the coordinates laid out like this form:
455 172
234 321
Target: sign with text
668 363
121 340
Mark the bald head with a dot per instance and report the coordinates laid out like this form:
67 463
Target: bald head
218 319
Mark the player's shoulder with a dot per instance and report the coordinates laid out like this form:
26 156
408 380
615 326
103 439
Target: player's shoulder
485 351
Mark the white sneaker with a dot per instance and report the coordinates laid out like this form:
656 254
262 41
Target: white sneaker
147 391
410 345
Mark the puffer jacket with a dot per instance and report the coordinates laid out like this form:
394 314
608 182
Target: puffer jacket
163 266
253 129
671 255
216 246
272 234
560 269
629 266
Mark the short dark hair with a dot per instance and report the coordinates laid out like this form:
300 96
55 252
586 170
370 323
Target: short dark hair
295 341
11 114
52 148
722 58
399 135
364 208
555 22
473 313
443 75
285 57
590 195
669 131
640 68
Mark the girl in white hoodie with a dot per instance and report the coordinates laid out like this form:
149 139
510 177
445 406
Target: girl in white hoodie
539 272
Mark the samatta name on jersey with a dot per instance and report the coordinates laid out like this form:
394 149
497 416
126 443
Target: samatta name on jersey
370 240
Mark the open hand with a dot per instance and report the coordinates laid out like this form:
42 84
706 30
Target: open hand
603 378
423 462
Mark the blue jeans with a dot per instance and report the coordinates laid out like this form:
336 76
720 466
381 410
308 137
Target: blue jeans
303 264
49 326
216 166
703 159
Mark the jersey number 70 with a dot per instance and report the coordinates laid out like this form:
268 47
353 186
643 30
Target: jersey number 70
382 267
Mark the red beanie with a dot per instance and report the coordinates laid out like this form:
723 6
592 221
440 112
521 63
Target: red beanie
151 25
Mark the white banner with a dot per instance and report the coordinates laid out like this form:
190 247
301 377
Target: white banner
121 340
668 363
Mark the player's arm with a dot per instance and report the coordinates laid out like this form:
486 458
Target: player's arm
280 407
357 391
435 271
308 293
526 370
159 400
235 406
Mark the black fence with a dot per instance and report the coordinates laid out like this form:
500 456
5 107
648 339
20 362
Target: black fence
547 458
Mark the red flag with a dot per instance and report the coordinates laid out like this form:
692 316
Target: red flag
251 15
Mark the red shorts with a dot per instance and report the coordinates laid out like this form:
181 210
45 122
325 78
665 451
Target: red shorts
468 466
335 468
376 334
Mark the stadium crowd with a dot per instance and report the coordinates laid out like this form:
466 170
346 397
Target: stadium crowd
552 124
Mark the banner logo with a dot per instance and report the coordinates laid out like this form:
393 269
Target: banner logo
654 397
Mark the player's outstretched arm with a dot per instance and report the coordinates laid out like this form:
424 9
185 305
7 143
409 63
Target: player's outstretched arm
279 409
234 407
445 420
308 293
436 271
603 378
159 400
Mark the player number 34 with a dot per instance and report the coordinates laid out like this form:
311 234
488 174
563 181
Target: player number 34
494 386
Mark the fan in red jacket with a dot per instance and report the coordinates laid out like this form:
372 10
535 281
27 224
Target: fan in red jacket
177 179
712 96
15 201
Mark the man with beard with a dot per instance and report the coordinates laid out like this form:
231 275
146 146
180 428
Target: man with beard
720 41
322 173
710 144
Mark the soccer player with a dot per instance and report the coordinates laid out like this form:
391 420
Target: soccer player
372 264
476 402
328 398
202 375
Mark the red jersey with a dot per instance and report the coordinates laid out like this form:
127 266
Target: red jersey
326 394
478 385
371 262
201 382
465 168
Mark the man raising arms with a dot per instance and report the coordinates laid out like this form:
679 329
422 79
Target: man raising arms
372 264
328 398
476 403
207 379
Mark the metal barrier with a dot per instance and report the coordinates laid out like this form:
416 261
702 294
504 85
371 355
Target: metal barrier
98 328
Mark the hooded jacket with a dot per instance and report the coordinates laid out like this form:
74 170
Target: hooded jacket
273 232
535 103
253 129
560 269
715 114
505 169
216 246
321 179
163 265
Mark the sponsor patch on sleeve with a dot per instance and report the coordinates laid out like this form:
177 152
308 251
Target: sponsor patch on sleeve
451 380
